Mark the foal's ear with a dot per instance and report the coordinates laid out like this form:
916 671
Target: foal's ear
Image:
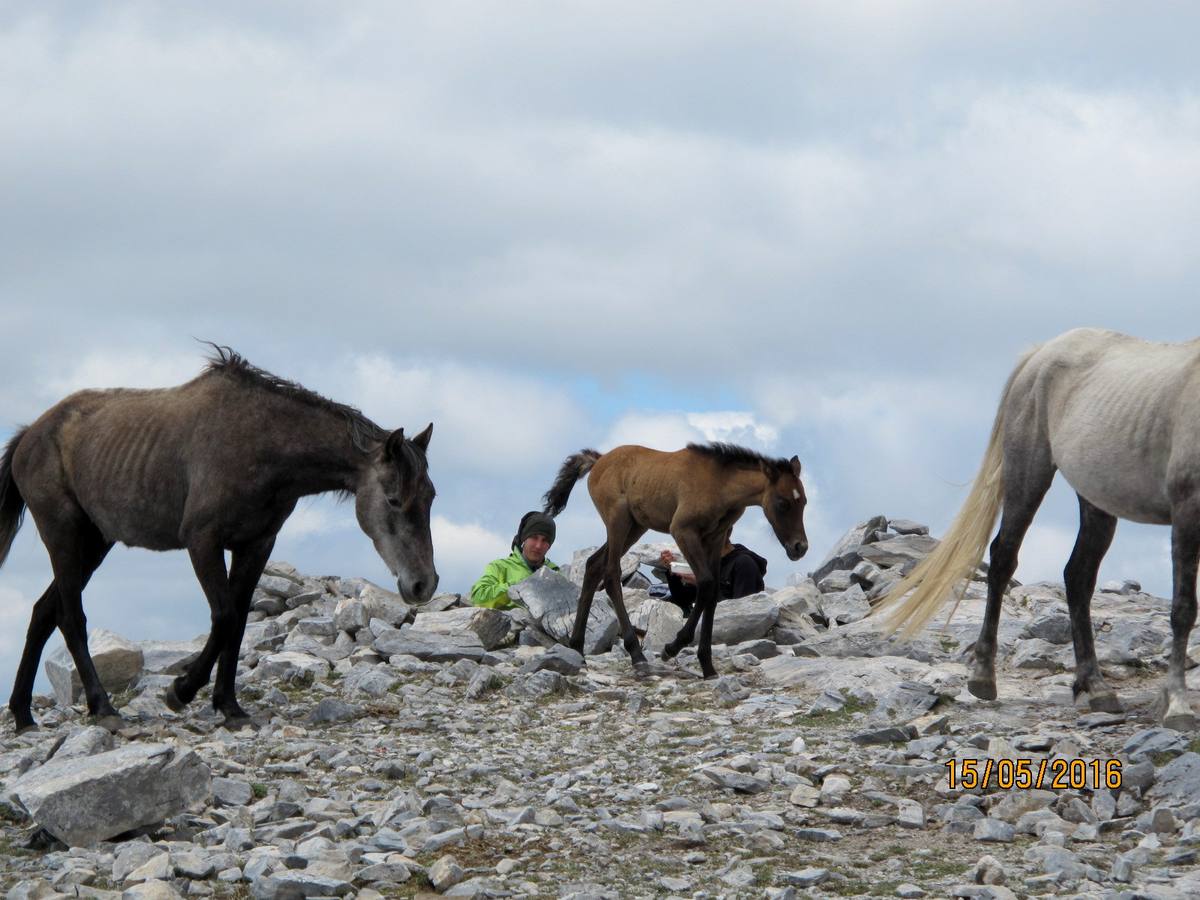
422 439
393 446
795 461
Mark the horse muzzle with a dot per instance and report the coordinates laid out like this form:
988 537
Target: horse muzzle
797 550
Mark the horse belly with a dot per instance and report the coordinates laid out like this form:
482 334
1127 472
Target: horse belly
1114 468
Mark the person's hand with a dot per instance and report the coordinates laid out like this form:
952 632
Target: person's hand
666 557
688 578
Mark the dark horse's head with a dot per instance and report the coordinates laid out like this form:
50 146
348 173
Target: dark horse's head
783 503
392 503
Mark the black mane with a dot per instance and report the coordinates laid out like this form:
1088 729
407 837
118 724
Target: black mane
740 457
225 361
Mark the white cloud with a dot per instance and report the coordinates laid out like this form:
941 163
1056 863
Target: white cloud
485 419
734 428
124 368
675 430
315 519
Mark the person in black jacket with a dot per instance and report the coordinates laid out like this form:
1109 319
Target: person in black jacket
742 572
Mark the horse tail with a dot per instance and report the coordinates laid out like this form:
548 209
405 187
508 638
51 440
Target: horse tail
12 504
573 468
961 550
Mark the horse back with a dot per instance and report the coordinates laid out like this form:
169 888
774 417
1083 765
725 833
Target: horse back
127 459
654 485
1120 415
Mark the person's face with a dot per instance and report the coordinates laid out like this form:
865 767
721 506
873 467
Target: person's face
535 548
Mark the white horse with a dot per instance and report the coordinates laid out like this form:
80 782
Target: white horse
1120 418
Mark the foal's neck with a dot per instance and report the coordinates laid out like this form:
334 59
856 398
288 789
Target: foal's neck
747 485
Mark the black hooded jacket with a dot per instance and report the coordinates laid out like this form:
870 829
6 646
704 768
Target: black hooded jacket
742 572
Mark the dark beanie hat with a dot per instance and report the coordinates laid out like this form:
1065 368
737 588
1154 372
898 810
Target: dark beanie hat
534 522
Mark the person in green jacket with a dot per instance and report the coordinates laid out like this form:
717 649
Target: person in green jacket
530 544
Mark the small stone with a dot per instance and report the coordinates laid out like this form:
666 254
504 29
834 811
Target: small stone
820 835
833 789
805 878
988 871
994 830
445 873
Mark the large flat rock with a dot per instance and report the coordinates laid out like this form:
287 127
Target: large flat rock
84 800
118 662
552 599
864 677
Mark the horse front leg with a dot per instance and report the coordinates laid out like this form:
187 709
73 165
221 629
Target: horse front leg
245 570
1185 548
208 561
699 558
1096 530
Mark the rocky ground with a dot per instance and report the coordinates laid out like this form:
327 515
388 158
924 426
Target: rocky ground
463 752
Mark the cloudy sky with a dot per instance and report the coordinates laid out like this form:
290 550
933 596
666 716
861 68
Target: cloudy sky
826 229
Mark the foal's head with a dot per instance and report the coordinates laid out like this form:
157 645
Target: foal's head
392 504
783 502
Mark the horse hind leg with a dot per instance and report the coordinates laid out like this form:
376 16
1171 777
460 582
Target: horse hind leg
1026 480
1185 549
593 574
76 550
1096 530
617 547
42 622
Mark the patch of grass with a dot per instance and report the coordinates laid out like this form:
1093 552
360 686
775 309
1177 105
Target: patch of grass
932 867
856 887
258 789
1194 746
841 716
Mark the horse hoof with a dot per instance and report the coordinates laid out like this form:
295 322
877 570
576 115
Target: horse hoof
642 669
1105 703
26 727
1181 722
171 698
238 722
109 722
984 690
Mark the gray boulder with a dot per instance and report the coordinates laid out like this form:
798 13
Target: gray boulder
660 621
169 657
845 606
551 599
428 646
82 801
1178 782
744 619
118 663
487 627
898 551
844 554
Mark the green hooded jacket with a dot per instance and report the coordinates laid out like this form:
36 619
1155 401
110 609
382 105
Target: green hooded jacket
492 587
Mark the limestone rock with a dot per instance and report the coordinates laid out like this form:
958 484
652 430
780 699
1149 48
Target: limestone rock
118 662
82 801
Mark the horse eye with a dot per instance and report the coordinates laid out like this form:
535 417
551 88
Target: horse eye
394 502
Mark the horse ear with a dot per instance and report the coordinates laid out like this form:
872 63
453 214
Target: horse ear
795 461
422 439
392 446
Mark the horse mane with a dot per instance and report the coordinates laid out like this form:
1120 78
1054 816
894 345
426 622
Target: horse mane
737 457
363 432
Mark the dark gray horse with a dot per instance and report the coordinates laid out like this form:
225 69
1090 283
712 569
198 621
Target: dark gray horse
212 465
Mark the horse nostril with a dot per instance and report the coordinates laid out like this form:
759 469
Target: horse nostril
418 589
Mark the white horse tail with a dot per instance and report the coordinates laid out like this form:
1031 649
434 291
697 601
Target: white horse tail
961 550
